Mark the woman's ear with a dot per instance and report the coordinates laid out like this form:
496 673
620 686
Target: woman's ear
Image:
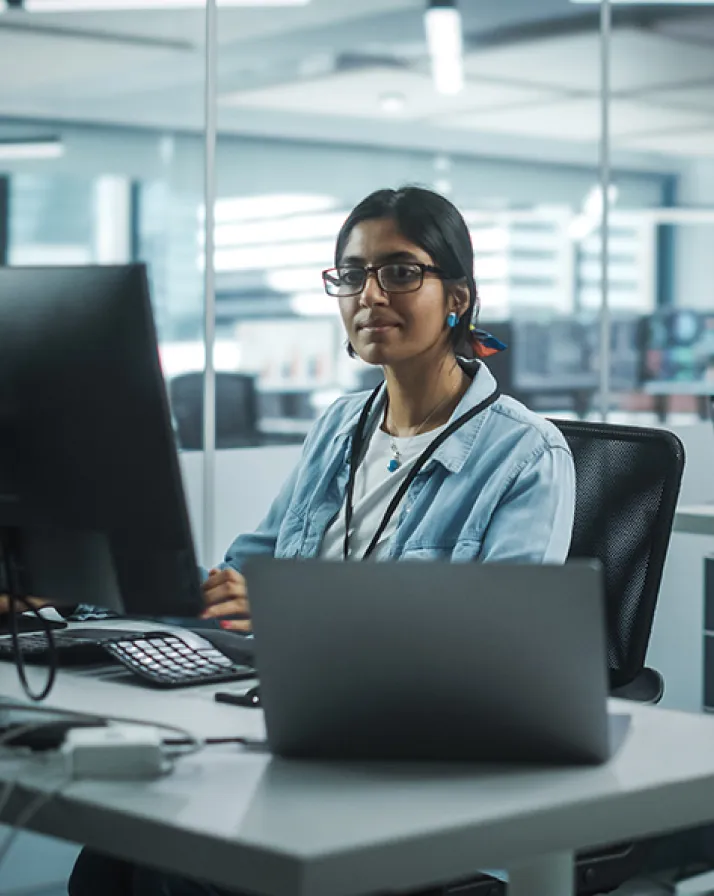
459 298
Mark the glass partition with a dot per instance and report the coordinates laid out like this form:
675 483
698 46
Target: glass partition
319 103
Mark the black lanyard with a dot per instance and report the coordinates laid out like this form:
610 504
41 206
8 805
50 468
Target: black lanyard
356 456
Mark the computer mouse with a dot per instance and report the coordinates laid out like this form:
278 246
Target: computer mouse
236 647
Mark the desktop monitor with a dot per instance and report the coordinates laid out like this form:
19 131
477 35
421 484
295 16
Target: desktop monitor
91 500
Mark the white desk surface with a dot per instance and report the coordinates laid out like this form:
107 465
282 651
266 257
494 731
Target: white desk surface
695 519
242 819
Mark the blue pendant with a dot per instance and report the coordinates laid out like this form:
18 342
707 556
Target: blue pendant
393 465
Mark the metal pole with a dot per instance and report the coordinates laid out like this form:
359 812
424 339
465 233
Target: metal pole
209 329
605 46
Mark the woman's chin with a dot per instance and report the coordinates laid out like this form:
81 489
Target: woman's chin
376 354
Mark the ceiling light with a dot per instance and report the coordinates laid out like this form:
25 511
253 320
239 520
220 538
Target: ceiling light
446 48
22 150
144 5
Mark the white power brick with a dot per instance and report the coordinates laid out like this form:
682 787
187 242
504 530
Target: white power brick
117 752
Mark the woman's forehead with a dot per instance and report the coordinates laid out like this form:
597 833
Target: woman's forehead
381 240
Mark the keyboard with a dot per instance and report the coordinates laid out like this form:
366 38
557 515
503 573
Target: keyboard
160 658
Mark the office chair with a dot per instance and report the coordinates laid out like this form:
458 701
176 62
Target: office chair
627 485
236 410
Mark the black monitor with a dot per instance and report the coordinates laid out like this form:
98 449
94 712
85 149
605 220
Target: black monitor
92 507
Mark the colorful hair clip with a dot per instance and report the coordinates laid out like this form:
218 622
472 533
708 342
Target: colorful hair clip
485 344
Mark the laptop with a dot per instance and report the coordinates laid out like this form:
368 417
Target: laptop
432 661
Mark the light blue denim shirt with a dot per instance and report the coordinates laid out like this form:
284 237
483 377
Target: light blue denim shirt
501 488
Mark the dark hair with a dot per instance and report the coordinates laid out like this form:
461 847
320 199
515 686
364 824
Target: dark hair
434 224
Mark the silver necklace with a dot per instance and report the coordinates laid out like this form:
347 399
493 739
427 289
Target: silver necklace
396 459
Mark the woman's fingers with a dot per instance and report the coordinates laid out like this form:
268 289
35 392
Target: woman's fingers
225 594
237 625
20 604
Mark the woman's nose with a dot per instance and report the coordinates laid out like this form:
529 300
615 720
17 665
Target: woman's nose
371 291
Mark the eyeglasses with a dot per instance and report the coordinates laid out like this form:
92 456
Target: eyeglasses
350 280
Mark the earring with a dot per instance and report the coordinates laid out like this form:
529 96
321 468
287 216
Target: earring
452 319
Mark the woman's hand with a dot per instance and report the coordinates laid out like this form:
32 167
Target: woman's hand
20 605
225 594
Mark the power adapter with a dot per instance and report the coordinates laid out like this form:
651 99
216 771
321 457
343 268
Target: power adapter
119 752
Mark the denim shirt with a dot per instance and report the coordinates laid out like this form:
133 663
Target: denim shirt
500 488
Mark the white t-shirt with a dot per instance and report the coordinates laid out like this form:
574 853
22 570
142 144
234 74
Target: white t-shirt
375 487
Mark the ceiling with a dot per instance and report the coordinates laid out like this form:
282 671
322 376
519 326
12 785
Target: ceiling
326 69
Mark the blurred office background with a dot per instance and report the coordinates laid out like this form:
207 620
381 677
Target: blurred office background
102 116
101 160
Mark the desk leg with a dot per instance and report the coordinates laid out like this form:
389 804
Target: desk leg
549 875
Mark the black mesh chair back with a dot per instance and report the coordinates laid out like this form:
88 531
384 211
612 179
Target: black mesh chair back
627 485
236 410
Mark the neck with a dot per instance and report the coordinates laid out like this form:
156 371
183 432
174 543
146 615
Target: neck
416 391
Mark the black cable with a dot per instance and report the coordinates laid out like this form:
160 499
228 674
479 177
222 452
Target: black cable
14 601
9 552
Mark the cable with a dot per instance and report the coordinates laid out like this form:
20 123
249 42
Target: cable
68 715
13 608
186 737
9 788
23 819
9 552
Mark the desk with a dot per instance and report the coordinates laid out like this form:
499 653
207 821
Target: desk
242 819
695 519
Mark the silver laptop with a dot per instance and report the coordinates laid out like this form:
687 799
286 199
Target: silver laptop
432 661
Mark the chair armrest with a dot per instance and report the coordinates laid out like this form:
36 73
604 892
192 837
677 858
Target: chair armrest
647 687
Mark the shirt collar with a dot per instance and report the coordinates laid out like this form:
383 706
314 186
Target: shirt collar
452 454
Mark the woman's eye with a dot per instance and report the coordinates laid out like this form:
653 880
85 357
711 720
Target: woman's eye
402 273
350 276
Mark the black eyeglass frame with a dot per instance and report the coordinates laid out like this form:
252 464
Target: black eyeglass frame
377 269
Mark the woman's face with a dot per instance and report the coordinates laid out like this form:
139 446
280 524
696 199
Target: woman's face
389 328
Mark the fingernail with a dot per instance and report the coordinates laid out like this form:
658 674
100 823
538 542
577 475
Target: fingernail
224 623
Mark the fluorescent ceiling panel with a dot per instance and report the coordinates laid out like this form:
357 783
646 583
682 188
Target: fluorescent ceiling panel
360 94
30 150
444 39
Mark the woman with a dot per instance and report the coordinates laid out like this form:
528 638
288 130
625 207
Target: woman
501 487
435 464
